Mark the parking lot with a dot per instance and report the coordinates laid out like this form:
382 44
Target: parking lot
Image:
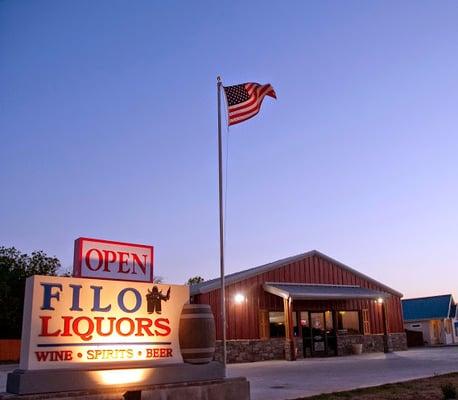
272 380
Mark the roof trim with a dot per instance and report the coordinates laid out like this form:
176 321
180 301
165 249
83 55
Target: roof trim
425 319
215 284
271 288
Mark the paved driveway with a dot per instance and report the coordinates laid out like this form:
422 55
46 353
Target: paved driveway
272 380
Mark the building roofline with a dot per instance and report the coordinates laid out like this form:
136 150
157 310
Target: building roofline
427 297
215 284
425 319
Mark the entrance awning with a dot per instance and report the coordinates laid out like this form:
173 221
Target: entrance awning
302 291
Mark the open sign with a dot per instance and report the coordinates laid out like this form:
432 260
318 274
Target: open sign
105 259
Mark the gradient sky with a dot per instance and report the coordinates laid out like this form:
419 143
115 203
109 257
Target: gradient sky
108 130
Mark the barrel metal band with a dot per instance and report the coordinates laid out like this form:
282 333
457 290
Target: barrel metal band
198 350
189 316
199 360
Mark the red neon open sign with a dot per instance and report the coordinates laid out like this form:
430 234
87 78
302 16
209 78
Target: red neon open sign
105 259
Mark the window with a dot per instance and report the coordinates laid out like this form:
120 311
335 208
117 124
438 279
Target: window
329 321
264 324
295 327
304 315
448 326
277 324
366 323
348 322
456 328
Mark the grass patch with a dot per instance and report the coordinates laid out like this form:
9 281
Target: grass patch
418 389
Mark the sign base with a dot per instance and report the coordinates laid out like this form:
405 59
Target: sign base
218 389
66 380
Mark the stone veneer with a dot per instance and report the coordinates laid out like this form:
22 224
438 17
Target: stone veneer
250 350
238 351
371 343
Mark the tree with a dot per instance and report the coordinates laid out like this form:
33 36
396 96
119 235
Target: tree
195 280
15 268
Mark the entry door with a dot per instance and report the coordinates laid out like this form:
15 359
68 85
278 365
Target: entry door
318 334
317 324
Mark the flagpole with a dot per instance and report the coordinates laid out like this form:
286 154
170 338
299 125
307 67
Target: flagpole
221 225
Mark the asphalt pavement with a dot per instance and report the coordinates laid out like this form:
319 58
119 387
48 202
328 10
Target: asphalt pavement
275 380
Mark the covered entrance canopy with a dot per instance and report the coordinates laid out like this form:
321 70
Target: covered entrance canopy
303 291
318 292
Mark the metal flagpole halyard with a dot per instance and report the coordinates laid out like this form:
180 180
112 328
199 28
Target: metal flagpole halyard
221 224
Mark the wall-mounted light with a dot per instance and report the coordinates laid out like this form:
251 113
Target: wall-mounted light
239 298
380 300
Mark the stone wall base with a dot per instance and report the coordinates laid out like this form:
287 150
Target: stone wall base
239 351
371 343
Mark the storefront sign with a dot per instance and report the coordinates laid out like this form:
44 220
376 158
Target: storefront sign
84 323
104 259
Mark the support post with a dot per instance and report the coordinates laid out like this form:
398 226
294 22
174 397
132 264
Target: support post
386 338
221 224
290 347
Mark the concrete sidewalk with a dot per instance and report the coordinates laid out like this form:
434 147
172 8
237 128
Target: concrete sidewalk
272 380
278 380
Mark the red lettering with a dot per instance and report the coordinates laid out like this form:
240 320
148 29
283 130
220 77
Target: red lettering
160 323
66 331
122 261
64 355
141 264
88 259
131 328
98 324
42 355
107 259
45 327
143 324
84 335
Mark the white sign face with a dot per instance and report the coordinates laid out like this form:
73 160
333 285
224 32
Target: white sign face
104 259
87 323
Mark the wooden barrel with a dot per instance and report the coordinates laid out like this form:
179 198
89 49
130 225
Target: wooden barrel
197 333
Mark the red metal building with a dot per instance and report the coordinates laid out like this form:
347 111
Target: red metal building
303 306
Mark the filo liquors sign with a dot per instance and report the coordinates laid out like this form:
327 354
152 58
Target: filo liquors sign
85 323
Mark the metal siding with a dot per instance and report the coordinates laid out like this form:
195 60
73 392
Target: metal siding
243 320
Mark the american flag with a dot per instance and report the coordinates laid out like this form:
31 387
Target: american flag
244 101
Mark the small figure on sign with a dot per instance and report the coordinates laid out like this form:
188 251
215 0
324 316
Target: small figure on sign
154 299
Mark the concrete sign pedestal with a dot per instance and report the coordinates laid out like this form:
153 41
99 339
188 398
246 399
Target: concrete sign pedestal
218 389
48 381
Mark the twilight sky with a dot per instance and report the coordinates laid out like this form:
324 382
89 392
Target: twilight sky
108 130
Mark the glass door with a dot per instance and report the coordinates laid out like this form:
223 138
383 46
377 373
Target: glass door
318 328
318 334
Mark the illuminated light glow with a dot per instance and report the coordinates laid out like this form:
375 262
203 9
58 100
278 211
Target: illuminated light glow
120 376
380 300
239 298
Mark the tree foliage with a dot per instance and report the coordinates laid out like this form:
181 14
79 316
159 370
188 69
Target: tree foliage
15 268
195 280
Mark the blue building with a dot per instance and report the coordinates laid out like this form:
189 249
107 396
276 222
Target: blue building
435 316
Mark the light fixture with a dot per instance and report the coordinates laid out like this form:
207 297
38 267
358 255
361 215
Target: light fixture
120 376
380 300
239 298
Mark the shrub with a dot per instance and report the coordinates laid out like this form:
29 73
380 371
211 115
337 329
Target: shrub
449 391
